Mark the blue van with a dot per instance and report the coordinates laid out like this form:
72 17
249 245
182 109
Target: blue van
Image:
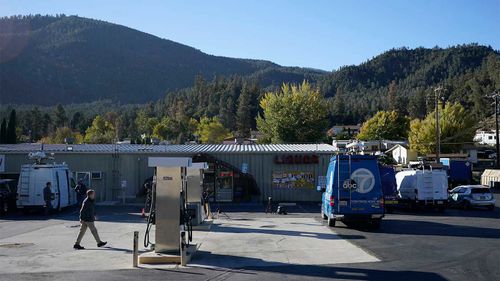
353 190
389 187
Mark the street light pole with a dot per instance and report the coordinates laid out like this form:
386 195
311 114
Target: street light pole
496 132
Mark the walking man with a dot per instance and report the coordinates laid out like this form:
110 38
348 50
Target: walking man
48 196
87 218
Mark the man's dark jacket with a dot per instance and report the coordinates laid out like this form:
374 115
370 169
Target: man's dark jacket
47 194
87 213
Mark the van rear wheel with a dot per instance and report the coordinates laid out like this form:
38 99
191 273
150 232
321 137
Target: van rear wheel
331 222
375 223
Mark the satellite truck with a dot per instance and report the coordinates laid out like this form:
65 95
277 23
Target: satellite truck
33 178
353 191
423 185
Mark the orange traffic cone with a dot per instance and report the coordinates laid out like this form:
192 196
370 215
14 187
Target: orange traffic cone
142 213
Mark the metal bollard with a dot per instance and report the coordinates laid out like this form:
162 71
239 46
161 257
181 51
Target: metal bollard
135 254
183 247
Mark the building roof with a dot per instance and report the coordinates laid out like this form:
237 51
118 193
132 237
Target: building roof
181 148
396 146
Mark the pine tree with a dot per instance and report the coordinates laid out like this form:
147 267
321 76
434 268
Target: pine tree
76 120
11 128
226 115
339 108
417 105
60 116
244 113
392 96
3 131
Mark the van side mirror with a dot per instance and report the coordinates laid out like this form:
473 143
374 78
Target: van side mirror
320 189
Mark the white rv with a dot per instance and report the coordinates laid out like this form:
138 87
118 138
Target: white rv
33 179
423 187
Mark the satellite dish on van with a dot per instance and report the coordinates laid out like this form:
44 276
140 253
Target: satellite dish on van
39 156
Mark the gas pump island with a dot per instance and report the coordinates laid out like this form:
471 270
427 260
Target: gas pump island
176 183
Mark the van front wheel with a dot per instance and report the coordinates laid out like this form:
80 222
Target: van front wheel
331 222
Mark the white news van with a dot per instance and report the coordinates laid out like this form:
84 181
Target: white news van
423 187
33 179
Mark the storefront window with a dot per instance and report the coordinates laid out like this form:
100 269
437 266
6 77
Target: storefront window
293 179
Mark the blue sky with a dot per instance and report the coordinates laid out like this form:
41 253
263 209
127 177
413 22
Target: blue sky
319 34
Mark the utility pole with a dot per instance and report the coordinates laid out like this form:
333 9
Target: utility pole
437 96
495 96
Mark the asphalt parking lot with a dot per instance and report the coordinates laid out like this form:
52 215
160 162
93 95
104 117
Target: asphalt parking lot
454 245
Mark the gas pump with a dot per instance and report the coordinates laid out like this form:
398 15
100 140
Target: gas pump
194 192
169 214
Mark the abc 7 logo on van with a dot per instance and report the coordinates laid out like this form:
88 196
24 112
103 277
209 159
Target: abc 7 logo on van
361 181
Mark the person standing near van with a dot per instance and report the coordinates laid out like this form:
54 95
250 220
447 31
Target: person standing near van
81 192
87 218
48 196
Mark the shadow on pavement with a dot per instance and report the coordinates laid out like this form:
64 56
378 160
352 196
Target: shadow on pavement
299 208
407 227
267 230
236 264
120 214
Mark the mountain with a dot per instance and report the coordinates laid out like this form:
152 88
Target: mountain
68 59
468 74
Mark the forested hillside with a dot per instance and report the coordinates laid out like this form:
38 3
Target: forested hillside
47 60
403 79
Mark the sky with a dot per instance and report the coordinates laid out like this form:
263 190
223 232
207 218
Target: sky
322 34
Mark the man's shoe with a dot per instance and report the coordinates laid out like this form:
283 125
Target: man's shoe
100 244
78 247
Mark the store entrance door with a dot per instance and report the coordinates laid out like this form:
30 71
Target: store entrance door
224 186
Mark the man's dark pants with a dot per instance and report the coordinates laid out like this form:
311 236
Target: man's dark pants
48 206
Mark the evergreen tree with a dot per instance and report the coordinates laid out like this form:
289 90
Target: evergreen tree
244 113
3 131
76 121
46 124
226 115
339 107
417 107
392 96
11 136
60 116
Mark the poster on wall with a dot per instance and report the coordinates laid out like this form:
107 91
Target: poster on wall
2 163
293 179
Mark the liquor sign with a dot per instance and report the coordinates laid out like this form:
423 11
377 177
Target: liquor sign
296 159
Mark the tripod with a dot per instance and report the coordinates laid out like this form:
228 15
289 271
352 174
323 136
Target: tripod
219 212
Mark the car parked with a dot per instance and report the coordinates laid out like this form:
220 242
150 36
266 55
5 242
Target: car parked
469 196
7 195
